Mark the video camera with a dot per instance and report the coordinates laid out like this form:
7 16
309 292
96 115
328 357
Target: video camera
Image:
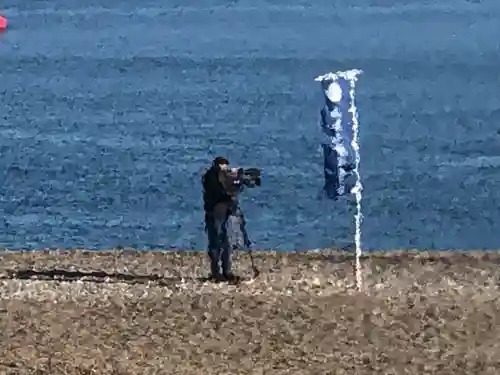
249 177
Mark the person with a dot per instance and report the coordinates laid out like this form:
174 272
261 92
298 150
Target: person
220 196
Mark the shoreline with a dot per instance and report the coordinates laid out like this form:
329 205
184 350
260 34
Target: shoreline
190 256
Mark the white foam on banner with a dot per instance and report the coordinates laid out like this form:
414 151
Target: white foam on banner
357 190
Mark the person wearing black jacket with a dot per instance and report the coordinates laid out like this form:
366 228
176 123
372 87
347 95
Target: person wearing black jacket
220 196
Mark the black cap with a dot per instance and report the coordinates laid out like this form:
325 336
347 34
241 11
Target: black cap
220 160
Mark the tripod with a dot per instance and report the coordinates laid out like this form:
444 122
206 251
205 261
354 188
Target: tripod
246 240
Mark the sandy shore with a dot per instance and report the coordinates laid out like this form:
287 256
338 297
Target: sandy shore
151 313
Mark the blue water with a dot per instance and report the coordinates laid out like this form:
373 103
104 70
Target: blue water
109 113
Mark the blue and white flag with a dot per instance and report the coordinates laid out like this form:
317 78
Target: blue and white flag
339 122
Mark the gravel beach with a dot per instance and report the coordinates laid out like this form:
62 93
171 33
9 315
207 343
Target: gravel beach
128 312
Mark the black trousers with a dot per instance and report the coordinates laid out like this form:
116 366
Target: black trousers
220 249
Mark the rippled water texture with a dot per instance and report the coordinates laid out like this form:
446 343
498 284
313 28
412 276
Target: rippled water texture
109 114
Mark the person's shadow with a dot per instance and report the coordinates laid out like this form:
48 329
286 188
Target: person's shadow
98 277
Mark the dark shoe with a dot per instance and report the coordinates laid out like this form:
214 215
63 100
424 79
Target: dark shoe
232 278
217 278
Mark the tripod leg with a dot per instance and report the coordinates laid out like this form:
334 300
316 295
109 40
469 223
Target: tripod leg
246 239
247 242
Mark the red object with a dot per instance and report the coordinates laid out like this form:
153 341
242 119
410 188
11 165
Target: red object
3 23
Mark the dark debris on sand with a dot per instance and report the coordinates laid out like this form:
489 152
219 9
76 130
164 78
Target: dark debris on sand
128 312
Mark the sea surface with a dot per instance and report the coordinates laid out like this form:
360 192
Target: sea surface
110 111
